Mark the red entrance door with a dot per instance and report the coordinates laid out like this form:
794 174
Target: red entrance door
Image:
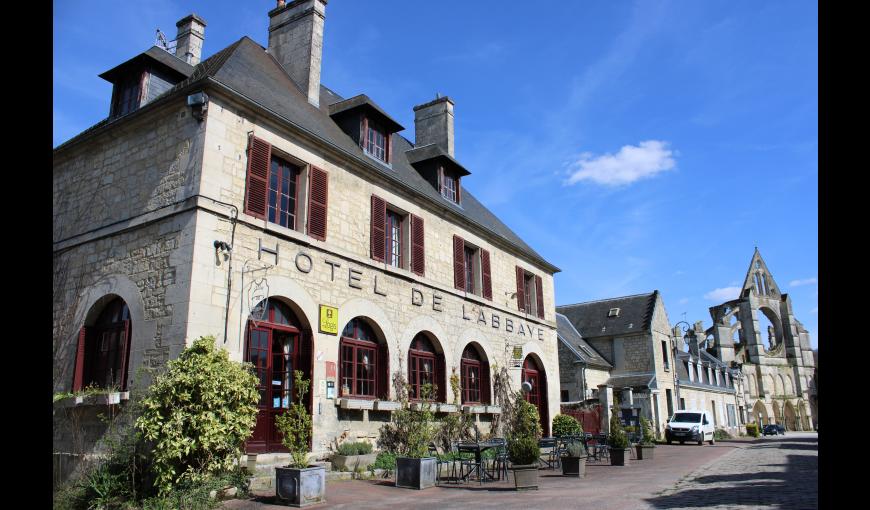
276 348
538 395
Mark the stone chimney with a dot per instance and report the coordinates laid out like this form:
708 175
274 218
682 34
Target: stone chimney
191 34
296 42
433 123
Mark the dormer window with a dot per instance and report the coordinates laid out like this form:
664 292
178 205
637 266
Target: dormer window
375 142
127 95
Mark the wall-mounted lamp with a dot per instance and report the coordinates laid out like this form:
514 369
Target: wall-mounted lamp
224 248
198 104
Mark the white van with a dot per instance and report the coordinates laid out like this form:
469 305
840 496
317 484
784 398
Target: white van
690 425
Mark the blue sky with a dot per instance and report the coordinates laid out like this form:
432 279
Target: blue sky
636 145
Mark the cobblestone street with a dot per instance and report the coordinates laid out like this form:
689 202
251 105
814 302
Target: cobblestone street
773 473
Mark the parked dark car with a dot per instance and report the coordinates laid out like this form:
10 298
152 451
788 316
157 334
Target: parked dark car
773 429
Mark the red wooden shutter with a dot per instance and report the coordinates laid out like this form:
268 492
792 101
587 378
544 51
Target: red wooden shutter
379 225
487 278
418 246
440 379
389 147
458 262
484 383
521 289
125 355
458 190
383 386
539 296
318 200
259 160
79 372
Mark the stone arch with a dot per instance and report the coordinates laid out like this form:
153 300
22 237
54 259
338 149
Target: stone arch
790 417
789 385
483 342
769 317
782 386
770 382
805 415
92 301
535 371
753 385
759 414
777 412
377 318
477 362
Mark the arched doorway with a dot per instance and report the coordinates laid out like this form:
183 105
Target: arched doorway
790 417
103 352
759 414
426 366
277 345
534 374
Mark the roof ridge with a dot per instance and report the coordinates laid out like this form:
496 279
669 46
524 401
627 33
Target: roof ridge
605 299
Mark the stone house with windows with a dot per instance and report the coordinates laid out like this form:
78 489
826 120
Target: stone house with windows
237 196
777 361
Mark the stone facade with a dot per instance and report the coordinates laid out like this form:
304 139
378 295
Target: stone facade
154 194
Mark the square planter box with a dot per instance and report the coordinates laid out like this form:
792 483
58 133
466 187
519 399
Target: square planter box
493 409
645 452
526 477
574 466
353 462
619 456
418 406
300 487
447 408
355 403
415 473
386 405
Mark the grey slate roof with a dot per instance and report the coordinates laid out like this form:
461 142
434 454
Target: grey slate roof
153 54
434 151
591 320
566 331
622 381
246 69
363 101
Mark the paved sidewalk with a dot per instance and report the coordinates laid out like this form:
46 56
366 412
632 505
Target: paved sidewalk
779 472
605 487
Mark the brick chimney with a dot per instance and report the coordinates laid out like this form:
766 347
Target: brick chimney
191 34
433 123
296 42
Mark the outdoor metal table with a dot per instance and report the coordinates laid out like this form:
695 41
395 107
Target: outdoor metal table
477 448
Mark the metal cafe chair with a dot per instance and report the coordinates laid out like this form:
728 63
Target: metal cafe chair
449 462
548 457
499 462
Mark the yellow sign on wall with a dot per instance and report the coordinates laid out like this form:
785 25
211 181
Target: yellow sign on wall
328 319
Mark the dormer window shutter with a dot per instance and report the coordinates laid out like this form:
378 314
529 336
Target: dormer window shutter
378 231
539 295
259 159
418 246
458 262
79 371
389 147
318 200
521 289
486 273
363 132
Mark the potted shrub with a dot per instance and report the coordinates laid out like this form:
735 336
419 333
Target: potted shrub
618 441
299 484
523 450
564 425
352 456
409 436
752 430
646 447
574 462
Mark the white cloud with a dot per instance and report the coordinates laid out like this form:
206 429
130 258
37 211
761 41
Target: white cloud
630 164
806 281
683 301
723 294
815 311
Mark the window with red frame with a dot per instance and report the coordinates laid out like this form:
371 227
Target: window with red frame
107 347
472 375
359 360
283 193
422 367
449 187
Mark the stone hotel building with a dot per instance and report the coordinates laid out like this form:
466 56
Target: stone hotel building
237 196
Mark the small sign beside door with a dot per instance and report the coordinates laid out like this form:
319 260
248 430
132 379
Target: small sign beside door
517 357
328 319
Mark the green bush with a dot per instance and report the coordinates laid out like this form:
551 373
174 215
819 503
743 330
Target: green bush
197 414
410 432
564 425
524 432
617 437
354 448
384 460
295 424
720 434
648 438
752 430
